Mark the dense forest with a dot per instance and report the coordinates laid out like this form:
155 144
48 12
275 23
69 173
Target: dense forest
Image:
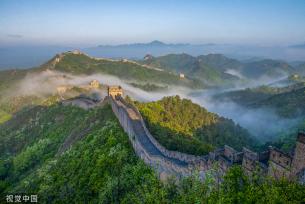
181 125
101 167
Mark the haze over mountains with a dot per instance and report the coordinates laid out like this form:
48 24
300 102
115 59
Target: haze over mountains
30 106
152 101
28 56
217 69
152 78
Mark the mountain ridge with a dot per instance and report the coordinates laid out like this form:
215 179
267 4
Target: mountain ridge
217 68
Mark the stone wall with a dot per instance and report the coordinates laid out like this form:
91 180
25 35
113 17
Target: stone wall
163 166
192 159
280 158
201 163
166 163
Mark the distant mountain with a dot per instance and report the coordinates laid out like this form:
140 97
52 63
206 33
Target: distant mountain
124 69
205 68
267 67
287 104
138 50
158 48
220 62
298 46
211 69
286 101
218 69
152 43
173 62
81 64
29 56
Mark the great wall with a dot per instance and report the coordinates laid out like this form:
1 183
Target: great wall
272 162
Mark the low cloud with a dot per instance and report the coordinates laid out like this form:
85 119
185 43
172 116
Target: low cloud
14 36
234 73
264 124
46 83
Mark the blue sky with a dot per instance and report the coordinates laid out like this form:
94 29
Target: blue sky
89 23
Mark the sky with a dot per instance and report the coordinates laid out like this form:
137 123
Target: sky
91 23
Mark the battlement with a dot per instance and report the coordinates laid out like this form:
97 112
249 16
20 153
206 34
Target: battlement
229 152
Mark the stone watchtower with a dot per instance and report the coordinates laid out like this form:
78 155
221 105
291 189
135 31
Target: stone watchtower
279 163
95 84
114 91
298 162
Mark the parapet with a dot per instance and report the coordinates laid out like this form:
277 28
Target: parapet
232 154
250 154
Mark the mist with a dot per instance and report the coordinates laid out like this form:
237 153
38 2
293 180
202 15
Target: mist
46 83
264 124
251 83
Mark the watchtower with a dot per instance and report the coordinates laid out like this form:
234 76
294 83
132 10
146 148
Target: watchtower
298 161
250 161
279 163
114 91
95 84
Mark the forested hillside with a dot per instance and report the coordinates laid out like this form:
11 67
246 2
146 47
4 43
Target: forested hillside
286 101
181 125
267 67
192 66
8 78
290 104
82 64
31 160
98 165
219 70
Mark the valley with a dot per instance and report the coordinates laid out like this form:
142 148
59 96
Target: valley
57 114
152 102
